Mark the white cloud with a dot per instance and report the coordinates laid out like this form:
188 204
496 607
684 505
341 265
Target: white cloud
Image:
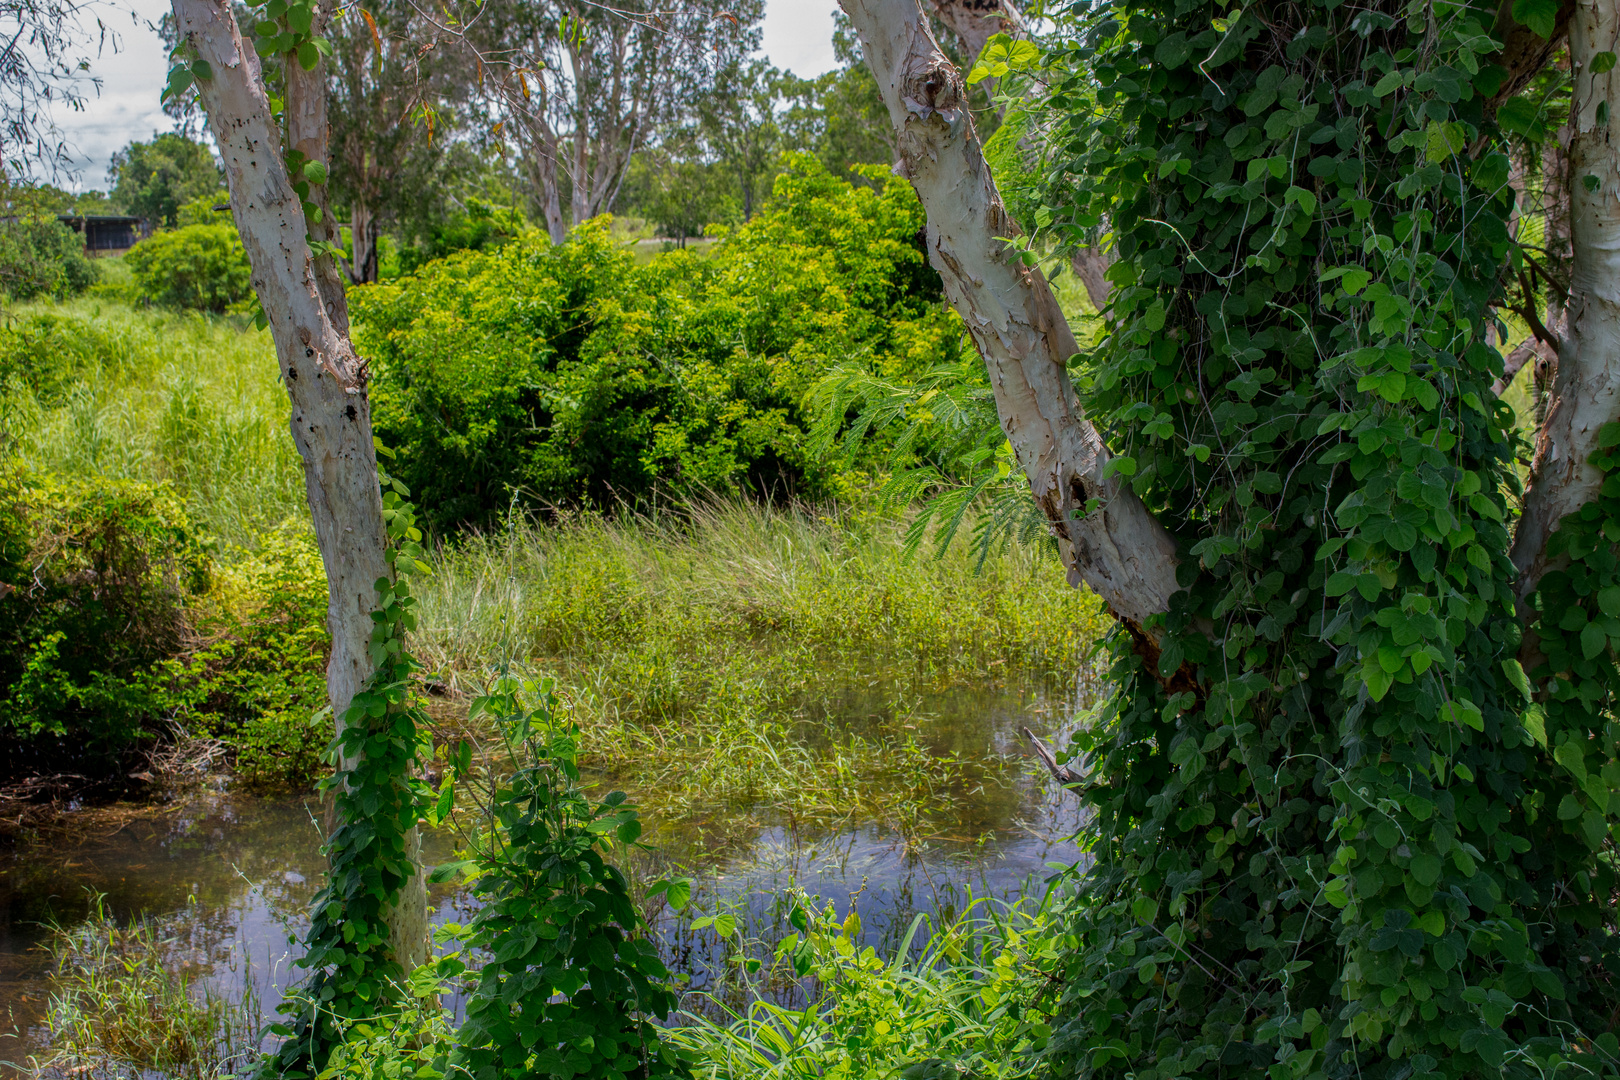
798 36
129 105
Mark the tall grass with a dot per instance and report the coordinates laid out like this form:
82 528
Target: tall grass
960 996
707 654
154 395
119 1011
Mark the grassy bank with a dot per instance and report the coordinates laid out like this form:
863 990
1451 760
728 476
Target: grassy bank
92 387
704 651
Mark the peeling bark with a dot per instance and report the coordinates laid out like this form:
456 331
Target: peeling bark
1119 549
1586 387
325 379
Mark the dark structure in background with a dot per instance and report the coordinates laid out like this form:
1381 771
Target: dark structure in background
107 234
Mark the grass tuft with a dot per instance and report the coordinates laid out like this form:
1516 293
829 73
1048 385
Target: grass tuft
119 1011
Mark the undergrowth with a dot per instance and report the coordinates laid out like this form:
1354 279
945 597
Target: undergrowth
703 652
119 1011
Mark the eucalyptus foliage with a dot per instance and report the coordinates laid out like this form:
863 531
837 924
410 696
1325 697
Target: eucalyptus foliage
1332 836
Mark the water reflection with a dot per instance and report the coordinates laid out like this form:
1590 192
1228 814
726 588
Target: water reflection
229 876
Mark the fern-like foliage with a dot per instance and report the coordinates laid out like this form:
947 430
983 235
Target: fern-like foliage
946 453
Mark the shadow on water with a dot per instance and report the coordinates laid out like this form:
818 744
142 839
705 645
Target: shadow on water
228 876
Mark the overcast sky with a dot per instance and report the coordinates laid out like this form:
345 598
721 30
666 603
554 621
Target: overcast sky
798 36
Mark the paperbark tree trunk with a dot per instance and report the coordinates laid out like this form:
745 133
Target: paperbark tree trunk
1586 387
363 237
326 381
975 22
1119 549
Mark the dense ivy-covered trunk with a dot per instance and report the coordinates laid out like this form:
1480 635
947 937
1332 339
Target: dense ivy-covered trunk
1333 835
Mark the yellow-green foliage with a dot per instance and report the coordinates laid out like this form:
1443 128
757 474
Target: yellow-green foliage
696 650
99 389
560 374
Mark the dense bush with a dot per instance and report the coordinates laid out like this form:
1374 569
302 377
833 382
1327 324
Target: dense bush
115 621
198 266
476 225
569 373
43 257
96 578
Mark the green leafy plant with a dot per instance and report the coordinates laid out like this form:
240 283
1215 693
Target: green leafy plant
97 579
40 256
198 266
1328 838
572 982
554 375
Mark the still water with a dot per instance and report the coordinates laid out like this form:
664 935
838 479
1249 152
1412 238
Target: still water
228 876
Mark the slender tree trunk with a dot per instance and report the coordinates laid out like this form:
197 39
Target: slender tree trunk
1090 265
363 235
1586 388
543 170
1114 545
325 379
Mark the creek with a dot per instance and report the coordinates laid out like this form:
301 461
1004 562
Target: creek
227 876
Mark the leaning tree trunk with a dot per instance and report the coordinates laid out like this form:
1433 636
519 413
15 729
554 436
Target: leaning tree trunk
326 381
1113 543
1586 388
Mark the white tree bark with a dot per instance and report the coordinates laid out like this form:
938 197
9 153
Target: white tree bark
325 379
1586 387
1119 549
975 22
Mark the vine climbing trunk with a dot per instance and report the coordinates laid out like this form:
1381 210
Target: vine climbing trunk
1586 389
1108 538
1361 839
307 312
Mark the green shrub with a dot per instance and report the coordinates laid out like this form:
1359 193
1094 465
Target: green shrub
476 226
43 257
115 621
572 981
565 374
96 577
198 266
201 210
262 683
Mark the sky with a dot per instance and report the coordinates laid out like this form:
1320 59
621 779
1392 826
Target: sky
798 37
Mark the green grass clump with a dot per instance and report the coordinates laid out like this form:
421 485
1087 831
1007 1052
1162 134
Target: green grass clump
964 1003
95 388
703 652
119 1011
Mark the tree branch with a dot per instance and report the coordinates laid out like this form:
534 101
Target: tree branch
1107 537
1524 52
1530 348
